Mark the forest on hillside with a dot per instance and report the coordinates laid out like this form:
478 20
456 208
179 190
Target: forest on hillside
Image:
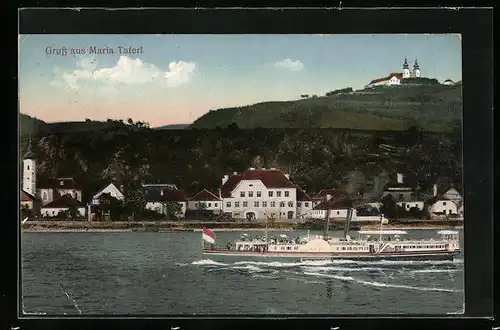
194 159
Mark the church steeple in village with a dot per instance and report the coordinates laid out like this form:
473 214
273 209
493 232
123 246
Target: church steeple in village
29 170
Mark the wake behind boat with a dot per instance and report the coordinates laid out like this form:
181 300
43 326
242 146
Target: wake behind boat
369 245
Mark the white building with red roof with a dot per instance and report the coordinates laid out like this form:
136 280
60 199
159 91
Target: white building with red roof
205 200
304 204
52 189
259 194
30 202
63 203
326 194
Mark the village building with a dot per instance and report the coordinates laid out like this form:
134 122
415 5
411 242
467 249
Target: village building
337 206
441 206
453 195
109 191
30 202
333 193
53 189
157 200
65 203
400 191
304 204
205 200
29 172
259 194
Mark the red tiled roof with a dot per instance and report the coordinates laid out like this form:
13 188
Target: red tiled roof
302 196
177 195
334 193
204 195
67 183
393 74
340 203
270 178
64 201
27 197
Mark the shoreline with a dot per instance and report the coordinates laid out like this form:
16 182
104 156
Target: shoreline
86 227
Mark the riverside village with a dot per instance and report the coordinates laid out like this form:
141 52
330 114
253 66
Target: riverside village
253 195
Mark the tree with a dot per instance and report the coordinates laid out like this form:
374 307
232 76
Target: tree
174 210
130 121
389 206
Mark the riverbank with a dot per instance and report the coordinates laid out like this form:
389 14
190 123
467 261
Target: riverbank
182 226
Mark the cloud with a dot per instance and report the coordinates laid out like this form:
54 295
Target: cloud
290 65
126 71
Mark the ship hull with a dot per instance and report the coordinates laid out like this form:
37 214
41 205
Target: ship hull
435 255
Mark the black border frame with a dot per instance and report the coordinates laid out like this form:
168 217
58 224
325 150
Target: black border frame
475 25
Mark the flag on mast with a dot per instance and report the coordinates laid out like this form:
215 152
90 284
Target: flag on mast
208 235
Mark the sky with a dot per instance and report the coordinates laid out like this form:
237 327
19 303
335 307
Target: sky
175 79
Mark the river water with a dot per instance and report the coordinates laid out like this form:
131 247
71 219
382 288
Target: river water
165 273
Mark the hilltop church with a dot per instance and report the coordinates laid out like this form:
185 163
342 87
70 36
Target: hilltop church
395 77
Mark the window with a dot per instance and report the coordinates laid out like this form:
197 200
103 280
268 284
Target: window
270 194
236 204
256 204
306 204
250 194
28 168
444 203
215 204
282 204
27 178
278 194
209 204
259 194
228 204
287 194
338 212
245 204
264 204
44 196
242 194
343 248
290 204
298 204
273 204
288 248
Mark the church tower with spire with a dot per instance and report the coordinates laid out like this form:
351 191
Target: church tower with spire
29 171
416 70
406 69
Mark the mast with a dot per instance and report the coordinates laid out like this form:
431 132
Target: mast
381 223
327 223
347 222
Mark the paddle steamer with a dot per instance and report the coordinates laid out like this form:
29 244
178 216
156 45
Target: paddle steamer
369 245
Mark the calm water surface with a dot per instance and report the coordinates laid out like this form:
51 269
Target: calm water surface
165 273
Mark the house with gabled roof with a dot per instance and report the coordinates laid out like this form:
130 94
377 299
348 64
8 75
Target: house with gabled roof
109 191
205 200
259 194
157 200
337 206
52 189
331 192
65 203
440 206
30 202
304 204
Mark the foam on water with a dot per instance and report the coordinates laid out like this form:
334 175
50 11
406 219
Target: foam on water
208 262
435 270
379 284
